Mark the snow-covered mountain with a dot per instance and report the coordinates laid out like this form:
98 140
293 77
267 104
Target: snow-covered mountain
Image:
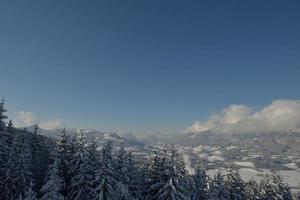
131 143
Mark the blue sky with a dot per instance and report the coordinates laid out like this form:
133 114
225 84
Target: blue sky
146 66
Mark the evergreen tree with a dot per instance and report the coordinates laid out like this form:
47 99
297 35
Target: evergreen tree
217 188
23 162
30 194
9 185
170 191
252 190
168 176
10 126
267 189
64 154
282 190
122 187
235 185
297 196
135 175
54 183
41 158
154 181
200 183
83 174
2 116
106 176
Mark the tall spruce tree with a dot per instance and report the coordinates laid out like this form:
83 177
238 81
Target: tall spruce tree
9 184
30 194
81 186
201 184
54 182
282 190
41 158
171 181
252 191
64 154
217 188
10 127
267 189
123 179
106 175
235 184
2 116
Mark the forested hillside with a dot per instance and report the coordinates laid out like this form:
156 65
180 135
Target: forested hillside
33 166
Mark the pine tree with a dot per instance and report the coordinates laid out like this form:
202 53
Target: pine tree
10 126
252 190
2 116
122 187
41 158
64 154
282 190
35 129
170 183
267 189
235 185
200 182
135 175
54 183
106 175
30 194
217 188
9 185
297 196
81 186
170 191
153 179
23 162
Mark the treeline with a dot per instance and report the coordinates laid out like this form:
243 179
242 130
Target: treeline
34 167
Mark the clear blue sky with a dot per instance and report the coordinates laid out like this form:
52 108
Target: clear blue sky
146 65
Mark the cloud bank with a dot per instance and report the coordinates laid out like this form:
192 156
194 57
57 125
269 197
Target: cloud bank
280 115
26 118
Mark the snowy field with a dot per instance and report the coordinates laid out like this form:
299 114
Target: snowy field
292 177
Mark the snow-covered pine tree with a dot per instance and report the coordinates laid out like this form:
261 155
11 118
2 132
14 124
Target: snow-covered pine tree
153 179
170 191
135 175
121 166
64 154
10 126
170 183
106 175
23 162
297 196
54 182
30 194
41 158
9 185
235 184
252 190
283 191
217 188
81 186
201 184
267 189
2 116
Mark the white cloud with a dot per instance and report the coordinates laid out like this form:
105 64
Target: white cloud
280 115
26 118
51 124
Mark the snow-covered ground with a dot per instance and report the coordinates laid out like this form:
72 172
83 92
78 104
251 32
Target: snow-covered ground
215 158
292 177
244 164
